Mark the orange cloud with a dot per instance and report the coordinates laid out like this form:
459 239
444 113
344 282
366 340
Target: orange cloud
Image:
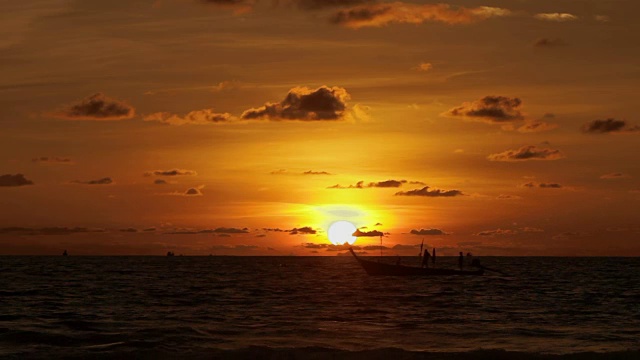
525 153
489 109
560 17
375 15
196 117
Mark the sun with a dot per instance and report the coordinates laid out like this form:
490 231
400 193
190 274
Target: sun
340 232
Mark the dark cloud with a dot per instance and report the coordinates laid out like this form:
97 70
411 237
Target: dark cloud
549 43
129 230
609 126
196 117
615 175
48 230
542 185
103 181
401 247
310 172
430 193
149 229
379 184
378 224
301 103
375 15
275 229
193 192
508 197
279 172
173 172
372 233
52 160
96 107
490 109
231 230
428 232
525 153
306 230
14 180
160 182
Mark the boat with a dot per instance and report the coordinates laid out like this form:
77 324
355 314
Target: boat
375 268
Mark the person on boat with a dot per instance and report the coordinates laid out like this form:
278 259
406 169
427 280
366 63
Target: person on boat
461 260
425 258
433 258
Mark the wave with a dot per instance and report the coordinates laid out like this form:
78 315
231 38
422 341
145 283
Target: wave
120 350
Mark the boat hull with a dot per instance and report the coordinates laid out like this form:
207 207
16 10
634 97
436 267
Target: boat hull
381 269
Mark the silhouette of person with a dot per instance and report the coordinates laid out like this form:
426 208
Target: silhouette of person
461 260
433 257
425 259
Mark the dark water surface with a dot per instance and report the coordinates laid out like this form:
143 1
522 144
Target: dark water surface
253 307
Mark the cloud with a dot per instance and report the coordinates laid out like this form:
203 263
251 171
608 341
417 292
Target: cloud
310 172
14 180
48 230
372 233
560 17
428 232
424 67
193 192
525 153
52 160
376 15
609 126
497 232
602 18
304 104
160 182
172 172
129 230
549 43
536 126
508 197
528 229
430 193
306 230
616 175
96 107
542 185
103 181
489 109
231 230
196 117
379 184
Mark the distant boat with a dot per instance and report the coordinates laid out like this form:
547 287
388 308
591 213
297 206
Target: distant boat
170 253
381 269
65 253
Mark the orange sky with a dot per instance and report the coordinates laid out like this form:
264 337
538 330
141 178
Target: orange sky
201 126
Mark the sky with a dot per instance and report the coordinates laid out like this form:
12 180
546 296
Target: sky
247 127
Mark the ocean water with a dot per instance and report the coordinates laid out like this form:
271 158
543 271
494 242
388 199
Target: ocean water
316 307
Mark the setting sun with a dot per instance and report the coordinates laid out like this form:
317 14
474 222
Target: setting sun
341 232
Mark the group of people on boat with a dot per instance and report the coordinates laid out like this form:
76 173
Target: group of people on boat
427 257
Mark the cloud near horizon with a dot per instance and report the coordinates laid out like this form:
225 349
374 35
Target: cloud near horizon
14 180
379 184
102 181
525 153
558 17
372 233
304 104
196 117
430 193
542 185
428 232
96 107
52 160
382 14
609 125
172 172
489 109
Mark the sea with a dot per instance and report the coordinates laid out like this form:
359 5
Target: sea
225 307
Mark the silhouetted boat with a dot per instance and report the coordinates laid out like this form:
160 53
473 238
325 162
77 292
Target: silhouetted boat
170 253
65 253
378 268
